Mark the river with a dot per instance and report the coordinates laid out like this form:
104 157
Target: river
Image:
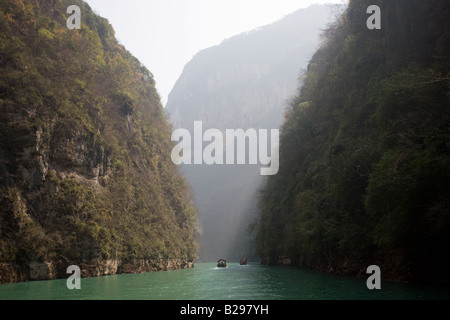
207 282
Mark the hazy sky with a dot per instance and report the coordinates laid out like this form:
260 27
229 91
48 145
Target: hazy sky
165 34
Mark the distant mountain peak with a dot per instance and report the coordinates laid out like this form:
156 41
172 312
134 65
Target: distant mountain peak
242 83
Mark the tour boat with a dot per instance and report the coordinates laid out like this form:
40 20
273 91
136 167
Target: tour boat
222 263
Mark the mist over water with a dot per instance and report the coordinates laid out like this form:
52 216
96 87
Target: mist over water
244 83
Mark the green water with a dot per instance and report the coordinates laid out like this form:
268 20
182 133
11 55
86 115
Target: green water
207 282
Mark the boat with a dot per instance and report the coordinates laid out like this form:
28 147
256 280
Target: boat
243 262
222 263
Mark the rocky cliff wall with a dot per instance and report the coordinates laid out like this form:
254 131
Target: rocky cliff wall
85 166
50 270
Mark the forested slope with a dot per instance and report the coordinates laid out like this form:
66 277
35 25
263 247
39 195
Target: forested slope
365 156
85 171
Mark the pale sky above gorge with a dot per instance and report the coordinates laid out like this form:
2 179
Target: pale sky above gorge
165 34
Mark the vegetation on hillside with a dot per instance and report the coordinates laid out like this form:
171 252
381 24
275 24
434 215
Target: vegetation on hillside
365 155
85 168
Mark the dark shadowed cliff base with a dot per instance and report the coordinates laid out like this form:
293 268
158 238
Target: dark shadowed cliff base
396 265
10 273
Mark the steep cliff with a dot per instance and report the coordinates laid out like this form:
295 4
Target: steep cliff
245 82
86 176
364 157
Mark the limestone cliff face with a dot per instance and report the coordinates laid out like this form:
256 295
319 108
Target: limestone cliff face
85 171
243 83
